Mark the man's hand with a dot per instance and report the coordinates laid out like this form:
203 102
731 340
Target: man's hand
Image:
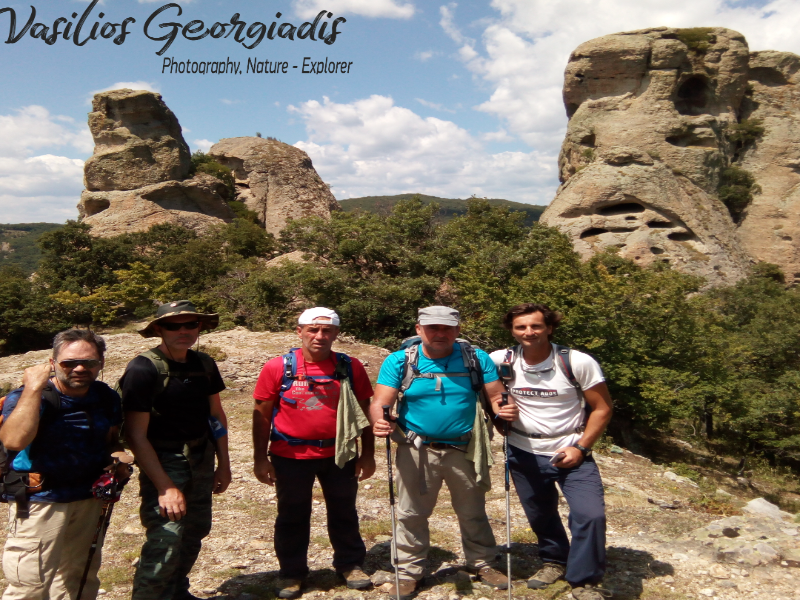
573 458
172 504
508 412
382 428
264 471
36 377
365 467
222 478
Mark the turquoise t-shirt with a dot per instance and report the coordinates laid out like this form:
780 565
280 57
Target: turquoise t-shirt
441 415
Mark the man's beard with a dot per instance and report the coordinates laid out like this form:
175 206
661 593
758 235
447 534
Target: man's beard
73 384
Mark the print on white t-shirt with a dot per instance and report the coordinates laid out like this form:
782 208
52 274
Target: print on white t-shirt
548 403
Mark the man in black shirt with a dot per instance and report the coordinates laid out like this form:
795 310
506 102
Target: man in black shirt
175 426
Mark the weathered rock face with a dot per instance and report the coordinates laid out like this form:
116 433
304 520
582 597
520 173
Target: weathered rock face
770 230
138 142
645 145
195 203
275 180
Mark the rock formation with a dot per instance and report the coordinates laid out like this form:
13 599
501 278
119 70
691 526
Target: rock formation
195 203
645 147
138 142
770 230
137 176
275 180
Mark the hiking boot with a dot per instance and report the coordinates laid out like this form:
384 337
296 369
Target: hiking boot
356 578
289 588
493 577
547 575
407 588
590 592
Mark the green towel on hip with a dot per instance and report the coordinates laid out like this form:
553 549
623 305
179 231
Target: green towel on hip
350 421
479 449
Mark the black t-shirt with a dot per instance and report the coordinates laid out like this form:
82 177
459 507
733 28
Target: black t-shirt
182 409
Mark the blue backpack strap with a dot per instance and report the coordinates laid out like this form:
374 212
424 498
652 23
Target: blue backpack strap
346 370
289 375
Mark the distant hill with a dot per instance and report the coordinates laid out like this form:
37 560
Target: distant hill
18 244
449 207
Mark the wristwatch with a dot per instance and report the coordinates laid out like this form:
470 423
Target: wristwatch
587 452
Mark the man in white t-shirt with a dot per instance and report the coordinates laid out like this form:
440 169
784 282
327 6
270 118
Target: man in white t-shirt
551 443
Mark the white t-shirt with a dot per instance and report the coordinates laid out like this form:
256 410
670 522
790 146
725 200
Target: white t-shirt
547 401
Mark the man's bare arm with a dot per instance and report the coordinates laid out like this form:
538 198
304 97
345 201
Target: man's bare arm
384 396
22 424
262 425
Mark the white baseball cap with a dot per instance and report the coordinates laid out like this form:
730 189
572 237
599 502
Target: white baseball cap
319 315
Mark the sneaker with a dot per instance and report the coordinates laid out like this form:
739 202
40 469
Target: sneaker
547 575
289 588
407 588
590 592
493 577
356 578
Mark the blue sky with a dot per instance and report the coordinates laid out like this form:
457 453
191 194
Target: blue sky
449 99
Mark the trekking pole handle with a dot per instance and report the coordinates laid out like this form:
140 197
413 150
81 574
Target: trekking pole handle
386 413
504 401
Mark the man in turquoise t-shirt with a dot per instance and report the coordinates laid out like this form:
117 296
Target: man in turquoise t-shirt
436 418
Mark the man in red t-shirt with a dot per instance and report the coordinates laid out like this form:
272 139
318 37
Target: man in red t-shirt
300 422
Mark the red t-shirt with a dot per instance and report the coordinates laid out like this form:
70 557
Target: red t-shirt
313 415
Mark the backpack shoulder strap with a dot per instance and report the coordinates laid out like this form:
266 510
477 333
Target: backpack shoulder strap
289 374
344 367
563 359
410 369
470 358
155 356
51 396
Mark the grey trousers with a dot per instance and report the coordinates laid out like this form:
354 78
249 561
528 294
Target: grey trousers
413 508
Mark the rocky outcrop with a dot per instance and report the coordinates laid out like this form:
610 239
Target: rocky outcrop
275 180
137 176
645 146
196 203
138 142
770 230
657 116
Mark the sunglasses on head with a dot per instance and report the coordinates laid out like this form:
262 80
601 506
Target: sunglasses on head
85 363
178 326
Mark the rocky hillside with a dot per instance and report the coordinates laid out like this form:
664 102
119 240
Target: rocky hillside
681 148
664 544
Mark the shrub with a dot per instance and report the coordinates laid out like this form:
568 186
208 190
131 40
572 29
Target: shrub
736 190
697 39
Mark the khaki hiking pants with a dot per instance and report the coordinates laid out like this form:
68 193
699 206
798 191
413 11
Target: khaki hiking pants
413 508
46 553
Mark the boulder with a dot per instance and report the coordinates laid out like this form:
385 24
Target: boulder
640 164
195 203
138 142
275 180
770 230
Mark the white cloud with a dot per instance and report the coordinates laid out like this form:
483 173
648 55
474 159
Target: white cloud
371 146
33 128
204 145
425 56
40 188
230 102
434 105
388 9
131 85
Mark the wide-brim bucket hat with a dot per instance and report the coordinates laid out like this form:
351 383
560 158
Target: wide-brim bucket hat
177 309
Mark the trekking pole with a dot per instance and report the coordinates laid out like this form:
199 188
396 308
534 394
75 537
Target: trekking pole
504 402
109 490
395 559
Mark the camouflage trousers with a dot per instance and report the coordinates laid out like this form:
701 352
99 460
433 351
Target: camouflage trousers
172 547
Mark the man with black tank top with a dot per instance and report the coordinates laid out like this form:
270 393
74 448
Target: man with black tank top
175 425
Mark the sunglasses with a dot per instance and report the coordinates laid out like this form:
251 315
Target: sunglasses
179 326
85 363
